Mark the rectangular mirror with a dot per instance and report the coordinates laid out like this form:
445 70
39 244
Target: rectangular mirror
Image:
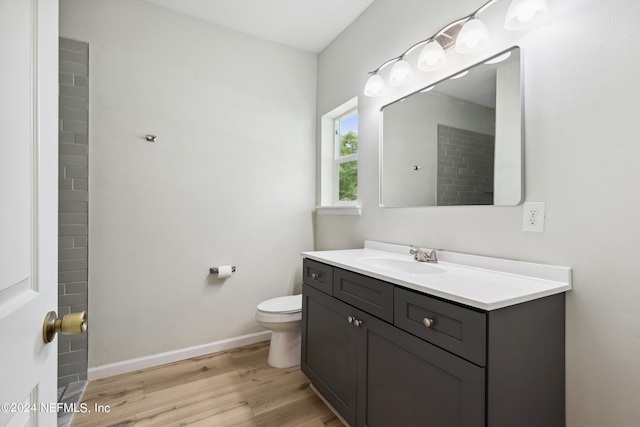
457 142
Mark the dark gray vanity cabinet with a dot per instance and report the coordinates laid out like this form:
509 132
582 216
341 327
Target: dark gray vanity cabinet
467 368
376 375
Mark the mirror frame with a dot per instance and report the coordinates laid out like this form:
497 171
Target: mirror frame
517 182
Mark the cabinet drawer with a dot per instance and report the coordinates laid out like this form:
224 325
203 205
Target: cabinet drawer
317 275
457 329
371 295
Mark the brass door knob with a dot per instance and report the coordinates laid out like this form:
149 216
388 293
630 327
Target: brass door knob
70 324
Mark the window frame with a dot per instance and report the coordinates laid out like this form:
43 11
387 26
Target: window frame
325 172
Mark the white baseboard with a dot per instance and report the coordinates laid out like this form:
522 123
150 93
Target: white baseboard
138 363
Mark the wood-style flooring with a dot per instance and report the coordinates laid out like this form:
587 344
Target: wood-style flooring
231 388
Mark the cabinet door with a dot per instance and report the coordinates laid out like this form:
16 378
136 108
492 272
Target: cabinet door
329 349
409 382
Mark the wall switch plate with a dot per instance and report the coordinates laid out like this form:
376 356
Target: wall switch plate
533 216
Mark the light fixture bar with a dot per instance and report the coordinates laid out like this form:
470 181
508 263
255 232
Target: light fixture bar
466 35
484 6
440 32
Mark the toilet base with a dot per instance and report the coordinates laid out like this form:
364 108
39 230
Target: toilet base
284 350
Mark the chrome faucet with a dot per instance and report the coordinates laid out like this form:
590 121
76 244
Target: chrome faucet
421 256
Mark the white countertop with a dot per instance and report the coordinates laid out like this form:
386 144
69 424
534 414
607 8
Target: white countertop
482 282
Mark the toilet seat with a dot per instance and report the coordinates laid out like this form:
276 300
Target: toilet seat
282 305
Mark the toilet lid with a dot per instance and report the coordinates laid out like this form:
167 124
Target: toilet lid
289 304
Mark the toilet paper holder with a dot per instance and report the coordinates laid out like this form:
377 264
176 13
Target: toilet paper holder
214 270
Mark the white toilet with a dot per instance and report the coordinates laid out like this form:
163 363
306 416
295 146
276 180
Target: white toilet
283 315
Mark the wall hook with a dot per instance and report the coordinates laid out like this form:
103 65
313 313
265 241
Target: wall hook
415 168
151 138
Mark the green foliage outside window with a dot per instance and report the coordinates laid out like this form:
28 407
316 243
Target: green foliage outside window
348 143
348 173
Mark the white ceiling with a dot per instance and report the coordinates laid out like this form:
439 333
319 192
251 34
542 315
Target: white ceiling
308 25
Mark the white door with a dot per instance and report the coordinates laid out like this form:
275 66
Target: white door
28 209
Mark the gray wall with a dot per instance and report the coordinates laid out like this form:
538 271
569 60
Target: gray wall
581 158
229 181
73 203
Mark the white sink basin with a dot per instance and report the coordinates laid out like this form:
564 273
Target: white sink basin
400 265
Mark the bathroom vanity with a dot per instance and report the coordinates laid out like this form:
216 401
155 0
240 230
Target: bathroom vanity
469 341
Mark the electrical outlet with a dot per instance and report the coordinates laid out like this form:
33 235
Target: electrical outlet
533 216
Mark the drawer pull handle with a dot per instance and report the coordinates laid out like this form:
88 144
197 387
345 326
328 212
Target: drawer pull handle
315 276
353 320
427 322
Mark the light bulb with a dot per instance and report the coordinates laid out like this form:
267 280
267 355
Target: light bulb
523 13
401 73
473 36
375 86
432 57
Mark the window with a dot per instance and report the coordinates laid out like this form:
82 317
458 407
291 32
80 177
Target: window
345 181
339 160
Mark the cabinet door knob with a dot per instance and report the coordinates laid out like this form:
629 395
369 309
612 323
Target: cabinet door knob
357 322
315 276
427 322
350 319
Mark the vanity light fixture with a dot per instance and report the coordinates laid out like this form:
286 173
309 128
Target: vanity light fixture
523 13
375 85
432 57
473 37
401 73
467 34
